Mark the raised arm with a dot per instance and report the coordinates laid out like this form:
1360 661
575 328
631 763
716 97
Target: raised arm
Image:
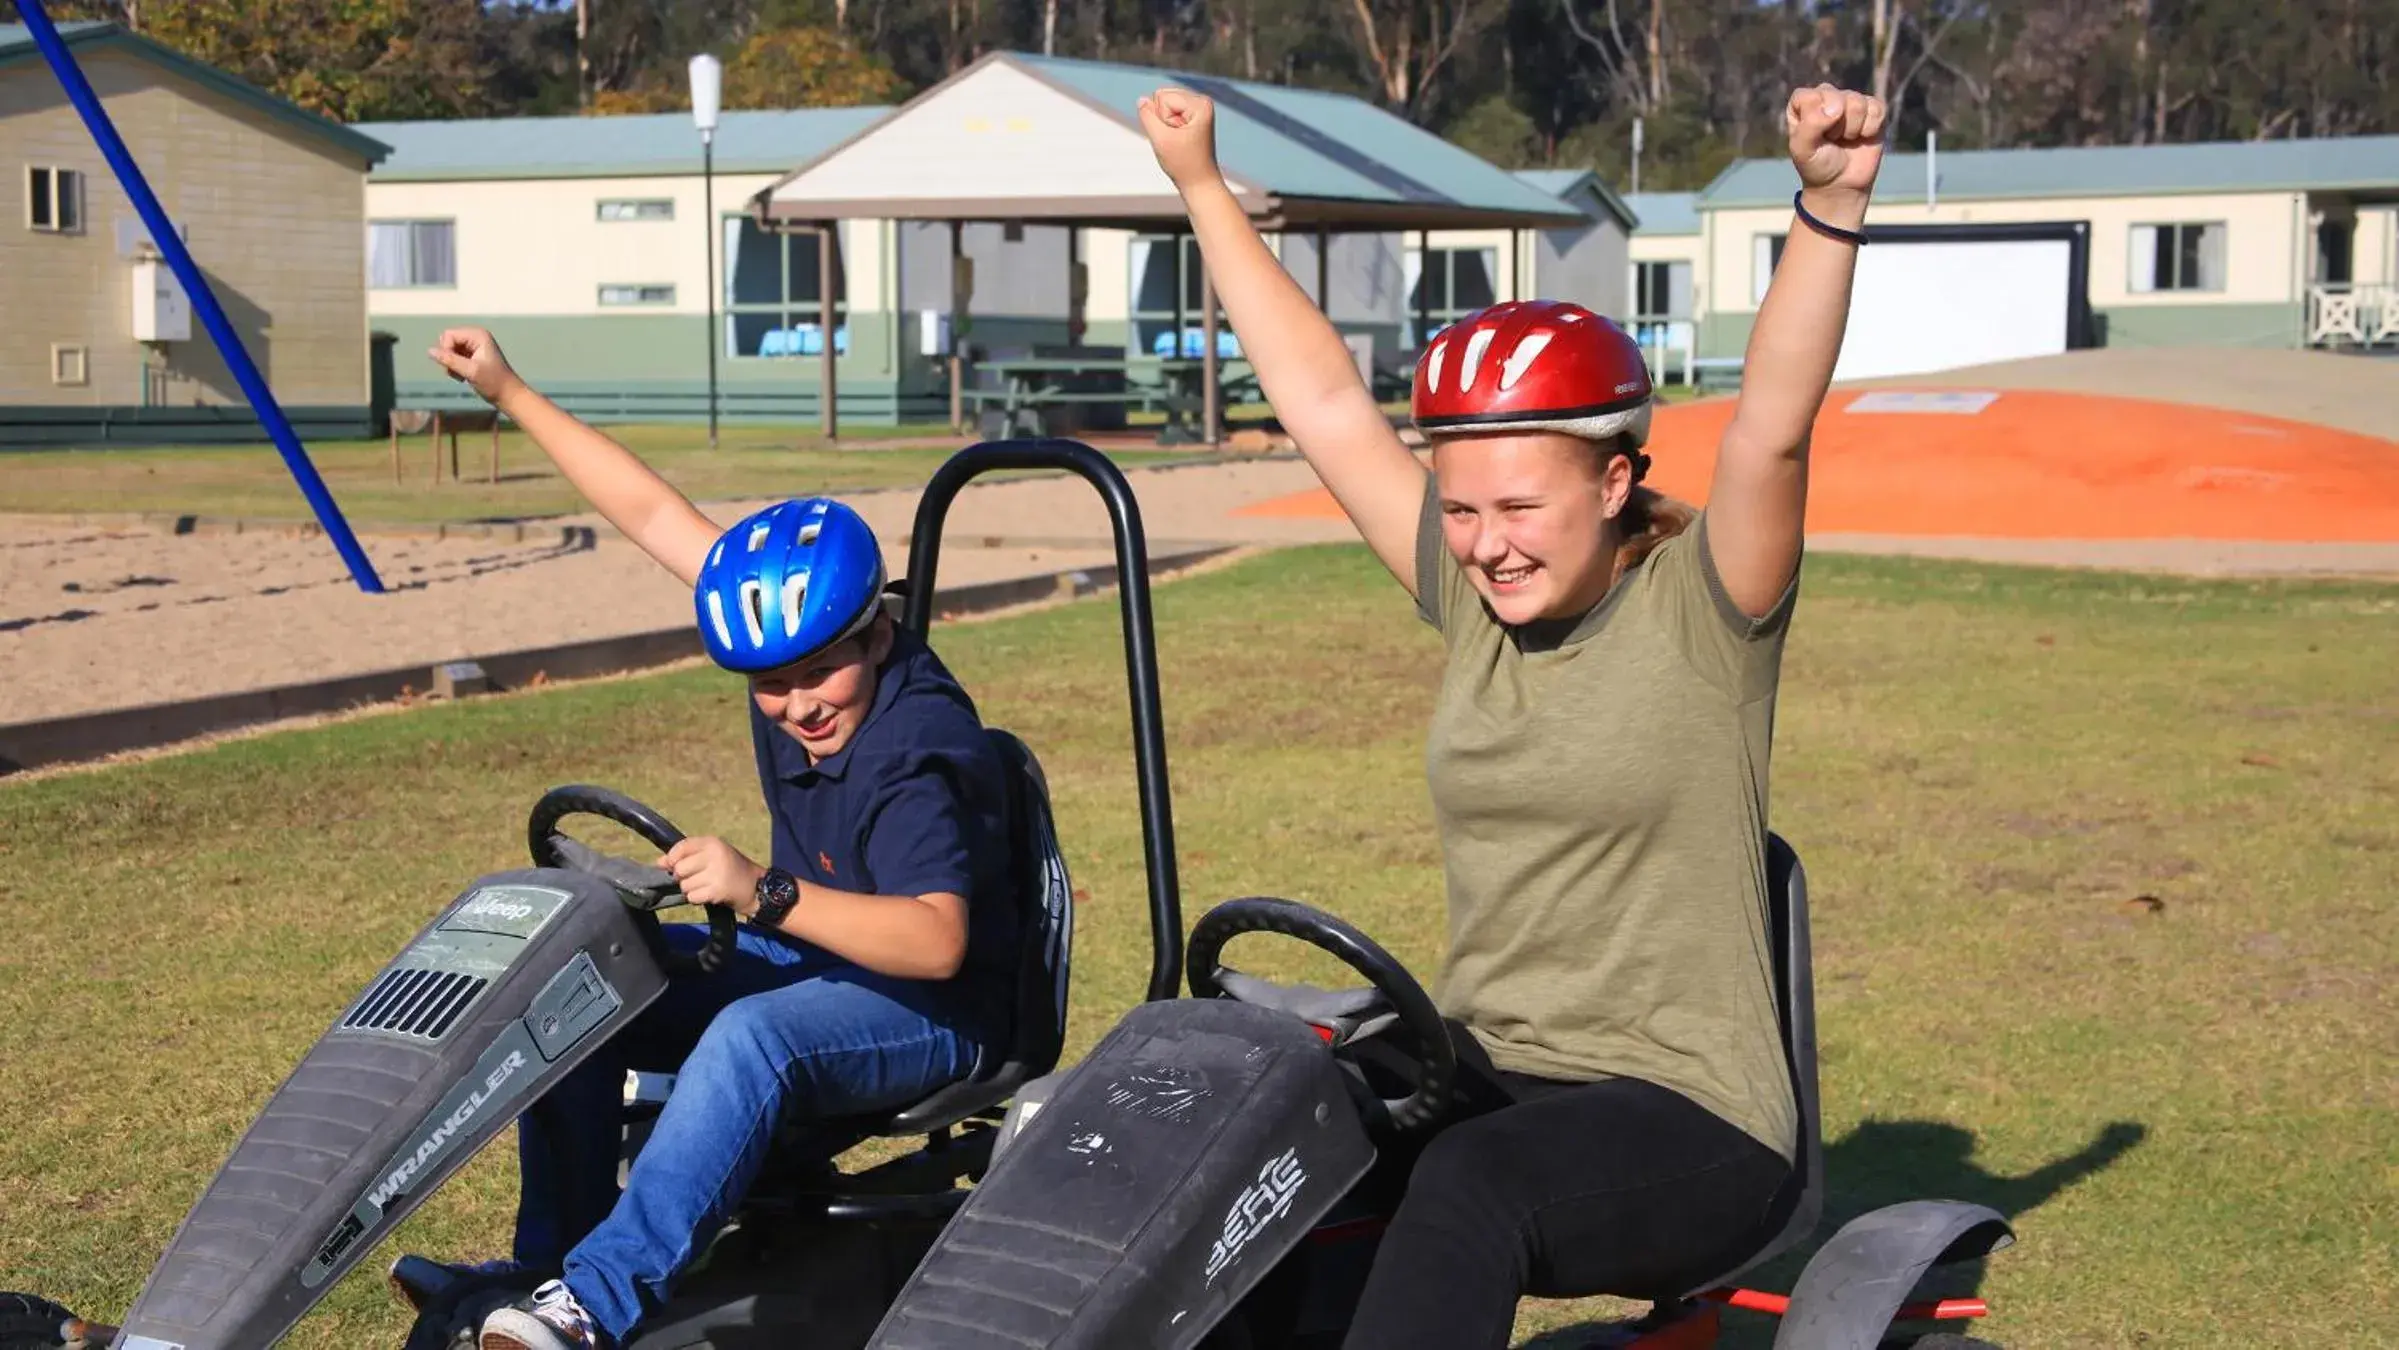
1303 367
643 506
1757 504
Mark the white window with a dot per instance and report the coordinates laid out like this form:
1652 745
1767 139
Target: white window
2180 257
1661 290
54 200
1447 284
645 294
1765 256
412 253
644 208
771 305
70 365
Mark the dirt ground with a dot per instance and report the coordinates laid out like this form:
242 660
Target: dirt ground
95 618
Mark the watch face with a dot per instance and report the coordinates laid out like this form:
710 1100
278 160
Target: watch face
777 891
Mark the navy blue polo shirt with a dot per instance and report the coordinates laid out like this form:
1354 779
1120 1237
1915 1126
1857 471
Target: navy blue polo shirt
916 803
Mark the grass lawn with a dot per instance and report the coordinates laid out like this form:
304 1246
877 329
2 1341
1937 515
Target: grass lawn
749 461
251 480
2187 1103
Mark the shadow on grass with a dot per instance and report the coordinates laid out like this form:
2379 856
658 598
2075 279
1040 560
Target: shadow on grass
1885 1162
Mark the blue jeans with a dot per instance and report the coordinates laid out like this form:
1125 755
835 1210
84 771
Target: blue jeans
782 1031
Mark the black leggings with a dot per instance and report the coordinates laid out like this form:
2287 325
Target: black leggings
1560 1189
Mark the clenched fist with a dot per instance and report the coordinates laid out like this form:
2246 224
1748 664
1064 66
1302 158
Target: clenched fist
473 355
1181 126
1836 138
713 872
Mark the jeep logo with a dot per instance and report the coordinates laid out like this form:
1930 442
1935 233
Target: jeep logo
492 907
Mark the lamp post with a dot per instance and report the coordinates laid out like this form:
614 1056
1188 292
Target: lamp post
707 83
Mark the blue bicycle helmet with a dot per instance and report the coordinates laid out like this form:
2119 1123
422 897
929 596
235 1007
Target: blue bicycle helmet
786 583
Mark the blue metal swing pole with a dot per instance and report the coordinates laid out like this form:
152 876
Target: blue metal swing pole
204 301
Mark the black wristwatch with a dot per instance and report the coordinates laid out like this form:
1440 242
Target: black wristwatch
778 891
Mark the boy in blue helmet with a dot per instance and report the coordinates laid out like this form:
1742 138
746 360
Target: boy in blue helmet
874 963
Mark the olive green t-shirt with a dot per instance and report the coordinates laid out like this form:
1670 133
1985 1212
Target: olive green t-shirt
1600 786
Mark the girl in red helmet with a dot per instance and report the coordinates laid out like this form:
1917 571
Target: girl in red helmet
1628 1120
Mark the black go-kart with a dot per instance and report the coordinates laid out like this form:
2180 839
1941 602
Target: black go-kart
1214 1173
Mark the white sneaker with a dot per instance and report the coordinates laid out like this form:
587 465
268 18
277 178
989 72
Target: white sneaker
553 1321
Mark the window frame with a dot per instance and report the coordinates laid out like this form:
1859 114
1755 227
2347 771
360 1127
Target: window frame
789 312
74 354
1449 311
1139 321
600 210
60 194
2161 228
1664 272
641 299
413 223
1773 242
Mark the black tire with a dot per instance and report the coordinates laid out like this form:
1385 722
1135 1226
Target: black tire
1947 1340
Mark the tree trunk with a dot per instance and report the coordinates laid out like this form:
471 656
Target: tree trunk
1657 52
582 57
1249 40
1391 86
1049 27
841 16
1886 47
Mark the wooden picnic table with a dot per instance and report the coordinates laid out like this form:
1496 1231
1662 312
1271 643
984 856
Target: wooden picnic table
450 421
1030 383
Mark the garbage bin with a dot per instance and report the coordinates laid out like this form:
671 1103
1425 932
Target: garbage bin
382 386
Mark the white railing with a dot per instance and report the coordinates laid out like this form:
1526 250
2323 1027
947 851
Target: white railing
2352 316
1665 338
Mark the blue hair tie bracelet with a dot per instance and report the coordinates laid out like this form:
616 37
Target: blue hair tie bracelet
1847 236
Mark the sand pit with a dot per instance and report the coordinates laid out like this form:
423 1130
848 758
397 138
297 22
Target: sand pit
94 619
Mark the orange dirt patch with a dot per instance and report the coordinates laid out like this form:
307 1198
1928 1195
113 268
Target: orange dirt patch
2042 465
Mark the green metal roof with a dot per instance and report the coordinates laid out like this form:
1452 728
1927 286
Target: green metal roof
17 46
1666 212
1307 144
1563 183
2331 164
643 145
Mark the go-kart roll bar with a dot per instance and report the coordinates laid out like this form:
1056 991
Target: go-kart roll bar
1141 657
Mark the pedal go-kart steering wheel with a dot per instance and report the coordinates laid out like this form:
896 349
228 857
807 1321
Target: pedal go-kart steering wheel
1435 1058
645 889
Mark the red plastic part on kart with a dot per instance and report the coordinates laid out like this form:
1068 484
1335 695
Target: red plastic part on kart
1939 1310
1851 1290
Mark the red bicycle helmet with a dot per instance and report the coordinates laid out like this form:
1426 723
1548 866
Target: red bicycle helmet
1534 365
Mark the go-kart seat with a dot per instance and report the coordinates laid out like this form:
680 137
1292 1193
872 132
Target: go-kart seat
1800 1203
1045 929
